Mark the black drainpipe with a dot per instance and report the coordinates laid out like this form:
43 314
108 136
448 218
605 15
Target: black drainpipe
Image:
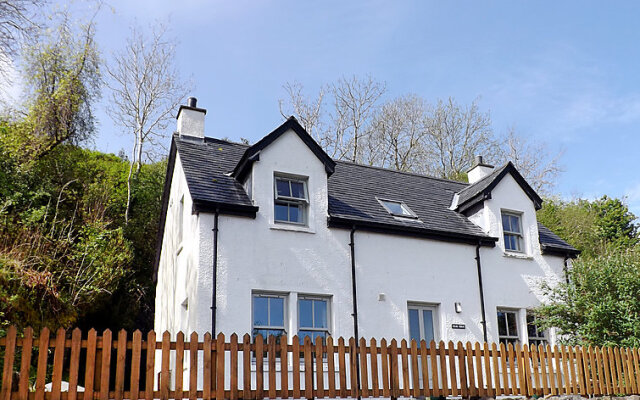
484 316
215 272
565 269
355 305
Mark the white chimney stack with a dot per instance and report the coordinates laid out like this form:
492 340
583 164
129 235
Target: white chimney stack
479 170
191 119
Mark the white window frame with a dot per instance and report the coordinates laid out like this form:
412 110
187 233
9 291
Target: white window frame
326 299
509 336
434 316
542 334
303 204
519 235
402 204
284 298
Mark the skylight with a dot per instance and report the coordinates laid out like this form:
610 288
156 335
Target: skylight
397 208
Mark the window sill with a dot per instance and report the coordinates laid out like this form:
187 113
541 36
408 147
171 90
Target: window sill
291 228
520 256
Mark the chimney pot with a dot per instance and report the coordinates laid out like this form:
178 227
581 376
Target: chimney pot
479 160
192 101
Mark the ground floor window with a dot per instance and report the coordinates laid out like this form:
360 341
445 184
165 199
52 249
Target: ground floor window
535 335
421 322
508 327
313 317
268 315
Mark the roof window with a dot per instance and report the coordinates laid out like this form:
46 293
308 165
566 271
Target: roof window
397 208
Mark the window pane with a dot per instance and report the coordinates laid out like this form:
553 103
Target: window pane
317 334
267 332
305 312
303 334
505 223
260 307
277 311
502 324
297 190
282 212
427 317
320 313
294 213
394 208
283 187
414 325
515 224
511 324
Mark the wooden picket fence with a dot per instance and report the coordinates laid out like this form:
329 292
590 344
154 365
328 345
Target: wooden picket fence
104 367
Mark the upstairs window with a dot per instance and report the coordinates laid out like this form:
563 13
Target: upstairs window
291 200
535 334
397 208
512 230
313 318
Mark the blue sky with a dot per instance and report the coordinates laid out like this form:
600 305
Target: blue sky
566 73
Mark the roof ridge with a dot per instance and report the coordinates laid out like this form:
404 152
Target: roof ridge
403 172
208 138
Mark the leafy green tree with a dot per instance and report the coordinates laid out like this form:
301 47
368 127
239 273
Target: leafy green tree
593 227
600 304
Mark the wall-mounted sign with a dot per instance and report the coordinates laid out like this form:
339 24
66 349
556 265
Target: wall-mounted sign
458 326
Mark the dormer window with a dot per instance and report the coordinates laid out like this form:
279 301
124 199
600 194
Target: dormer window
291 200
512 230
397 208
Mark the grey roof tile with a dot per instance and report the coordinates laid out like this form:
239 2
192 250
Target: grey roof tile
353 191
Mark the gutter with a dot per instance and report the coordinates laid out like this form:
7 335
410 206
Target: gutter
481 289
215 272
355 304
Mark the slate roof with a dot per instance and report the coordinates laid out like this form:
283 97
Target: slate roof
552 243
353 192
206 166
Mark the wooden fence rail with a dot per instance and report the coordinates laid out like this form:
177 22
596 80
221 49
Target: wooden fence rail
135 367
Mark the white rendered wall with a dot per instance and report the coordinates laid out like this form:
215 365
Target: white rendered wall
177 286
512 280
259 255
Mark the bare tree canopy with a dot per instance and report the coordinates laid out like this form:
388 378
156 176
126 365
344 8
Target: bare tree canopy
146 89
455 134
534 160
352 121
16 22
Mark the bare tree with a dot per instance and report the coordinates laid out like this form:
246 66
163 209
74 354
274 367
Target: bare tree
16 22
146 89
533 160
397 135
355 102
408 134
455 134
307 111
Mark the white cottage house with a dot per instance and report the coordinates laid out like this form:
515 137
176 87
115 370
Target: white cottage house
277 237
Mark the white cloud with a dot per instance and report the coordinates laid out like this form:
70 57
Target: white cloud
566 91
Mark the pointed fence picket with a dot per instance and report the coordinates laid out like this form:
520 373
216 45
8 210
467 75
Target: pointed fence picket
122 366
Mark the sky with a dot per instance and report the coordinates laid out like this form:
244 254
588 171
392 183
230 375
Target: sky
564 73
